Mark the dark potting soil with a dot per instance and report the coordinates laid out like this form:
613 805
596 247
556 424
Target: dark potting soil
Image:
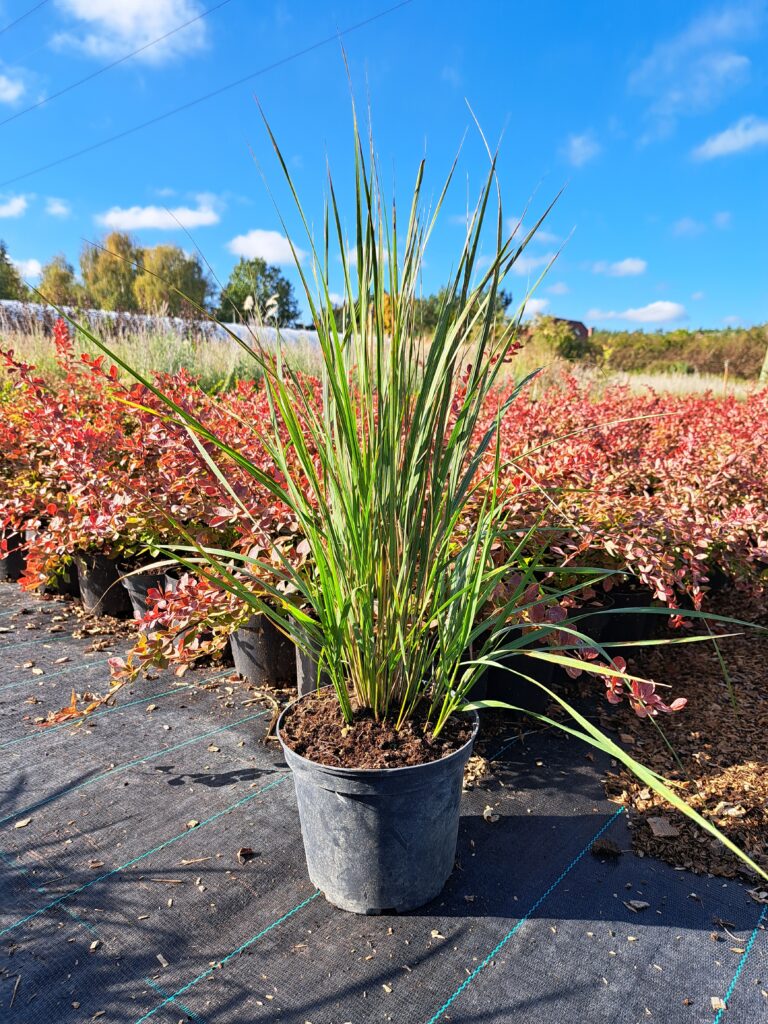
315 729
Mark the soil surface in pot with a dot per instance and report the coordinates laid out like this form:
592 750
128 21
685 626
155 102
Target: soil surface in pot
315 729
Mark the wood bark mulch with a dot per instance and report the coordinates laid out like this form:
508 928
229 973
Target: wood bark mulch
723 748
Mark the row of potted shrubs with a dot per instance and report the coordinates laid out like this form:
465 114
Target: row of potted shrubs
94 481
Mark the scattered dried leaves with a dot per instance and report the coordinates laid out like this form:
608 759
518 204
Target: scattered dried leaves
723 750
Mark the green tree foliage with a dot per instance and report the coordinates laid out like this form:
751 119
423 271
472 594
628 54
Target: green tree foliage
11 284
255 288
742 348
428 308
58 283
109 272
560 337
167 279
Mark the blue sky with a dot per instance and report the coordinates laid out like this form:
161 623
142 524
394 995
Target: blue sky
654 117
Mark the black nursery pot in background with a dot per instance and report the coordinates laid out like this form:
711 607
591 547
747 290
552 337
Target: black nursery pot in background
505 685
137 585
13 562
627 626
262 654
100 587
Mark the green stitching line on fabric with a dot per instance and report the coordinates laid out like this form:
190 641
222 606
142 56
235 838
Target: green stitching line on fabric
54 675
500 945
740 968
142 856
118 707
128 764
230 956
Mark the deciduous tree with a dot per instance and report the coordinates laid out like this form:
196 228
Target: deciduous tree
168 279
258 288
109 272
58 283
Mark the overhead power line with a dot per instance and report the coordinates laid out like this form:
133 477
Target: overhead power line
21 17
113 64
207 96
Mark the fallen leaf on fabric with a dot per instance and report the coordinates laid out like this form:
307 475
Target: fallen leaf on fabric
636 905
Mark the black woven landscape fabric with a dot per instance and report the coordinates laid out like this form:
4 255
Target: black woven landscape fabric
122 898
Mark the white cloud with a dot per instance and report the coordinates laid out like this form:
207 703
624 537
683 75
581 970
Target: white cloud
29 269
519 230
687 227
654 313
559 288
630 267
580 149
336 299
722 220
13 207
694 70
57 207
106 29
266 245
138 218
11 89
747 133
525 265
535 307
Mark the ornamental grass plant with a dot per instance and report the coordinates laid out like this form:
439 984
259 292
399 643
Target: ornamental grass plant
396 481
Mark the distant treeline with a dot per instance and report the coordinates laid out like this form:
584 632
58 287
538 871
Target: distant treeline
741 350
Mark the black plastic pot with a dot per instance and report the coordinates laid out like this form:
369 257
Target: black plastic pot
262 654
171 582
379 840
137 586
12 564
306 673
629 626
100 588
67 583
505 685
